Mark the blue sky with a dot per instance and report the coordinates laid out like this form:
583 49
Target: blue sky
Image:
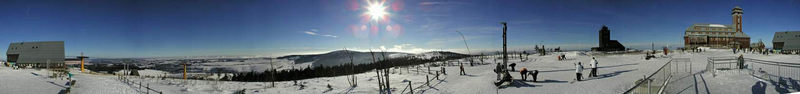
155 28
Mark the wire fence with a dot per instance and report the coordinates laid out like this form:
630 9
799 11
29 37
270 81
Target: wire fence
430 78
146 86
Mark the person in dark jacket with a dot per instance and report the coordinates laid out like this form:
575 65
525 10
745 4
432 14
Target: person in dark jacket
533 74
578 71
498 70
462 70
512 66
741 62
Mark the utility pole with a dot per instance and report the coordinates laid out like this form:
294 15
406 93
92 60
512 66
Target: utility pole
505 54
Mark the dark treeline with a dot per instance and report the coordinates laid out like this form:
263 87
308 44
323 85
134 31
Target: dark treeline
331 71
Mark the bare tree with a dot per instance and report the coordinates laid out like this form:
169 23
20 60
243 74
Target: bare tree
352 78
386 74
377 72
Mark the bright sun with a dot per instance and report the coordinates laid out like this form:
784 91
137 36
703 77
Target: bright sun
376 10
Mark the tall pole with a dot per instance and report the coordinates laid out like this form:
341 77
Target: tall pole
81 61
465 41
505 54
184 71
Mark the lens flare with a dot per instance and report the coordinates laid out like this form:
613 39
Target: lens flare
376 11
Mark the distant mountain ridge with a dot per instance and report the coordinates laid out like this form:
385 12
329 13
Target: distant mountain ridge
343 57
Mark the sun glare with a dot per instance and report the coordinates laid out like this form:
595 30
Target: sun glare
376 10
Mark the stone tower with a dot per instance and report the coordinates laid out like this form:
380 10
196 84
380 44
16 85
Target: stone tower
737 18
604 36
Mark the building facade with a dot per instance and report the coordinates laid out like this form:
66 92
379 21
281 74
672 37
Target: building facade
718 35
36 54
786 41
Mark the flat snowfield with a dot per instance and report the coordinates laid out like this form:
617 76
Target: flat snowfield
617 73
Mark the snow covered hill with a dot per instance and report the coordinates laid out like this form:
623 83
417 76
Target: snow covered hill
343 57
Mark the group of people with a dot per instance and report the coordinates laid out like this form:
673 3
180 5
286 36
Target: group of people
579 69
562 57
504 76
524 73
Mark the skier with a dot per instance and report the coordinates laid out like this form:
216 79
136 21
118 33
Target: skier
593 64
533 74
462 70
578 71
498 70
523 72
512 66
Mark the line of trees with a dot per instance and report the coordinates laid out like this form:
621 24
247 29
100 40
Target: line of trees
331 71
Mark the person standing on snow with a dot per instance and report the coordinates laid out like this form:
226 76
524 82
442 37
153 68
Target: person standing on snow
498 70
462 70
512 66
533 74
523 72
593 64
741 61
578 71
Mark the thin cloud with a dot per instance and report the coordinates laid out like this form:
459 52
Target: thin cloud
330 36
310 33
313 32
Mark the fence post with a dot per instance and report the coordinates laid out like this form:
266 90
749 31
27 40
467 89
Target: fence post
649 87
427 82
429 69
779 71
412 88
437 75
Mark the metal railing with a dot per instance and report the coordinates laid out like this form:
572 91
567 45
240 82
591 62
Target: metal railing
716 64
779 73
655 83
772 70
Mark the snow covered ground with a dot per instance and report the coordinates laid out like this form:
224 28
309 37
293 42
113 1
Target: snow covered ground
617 74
